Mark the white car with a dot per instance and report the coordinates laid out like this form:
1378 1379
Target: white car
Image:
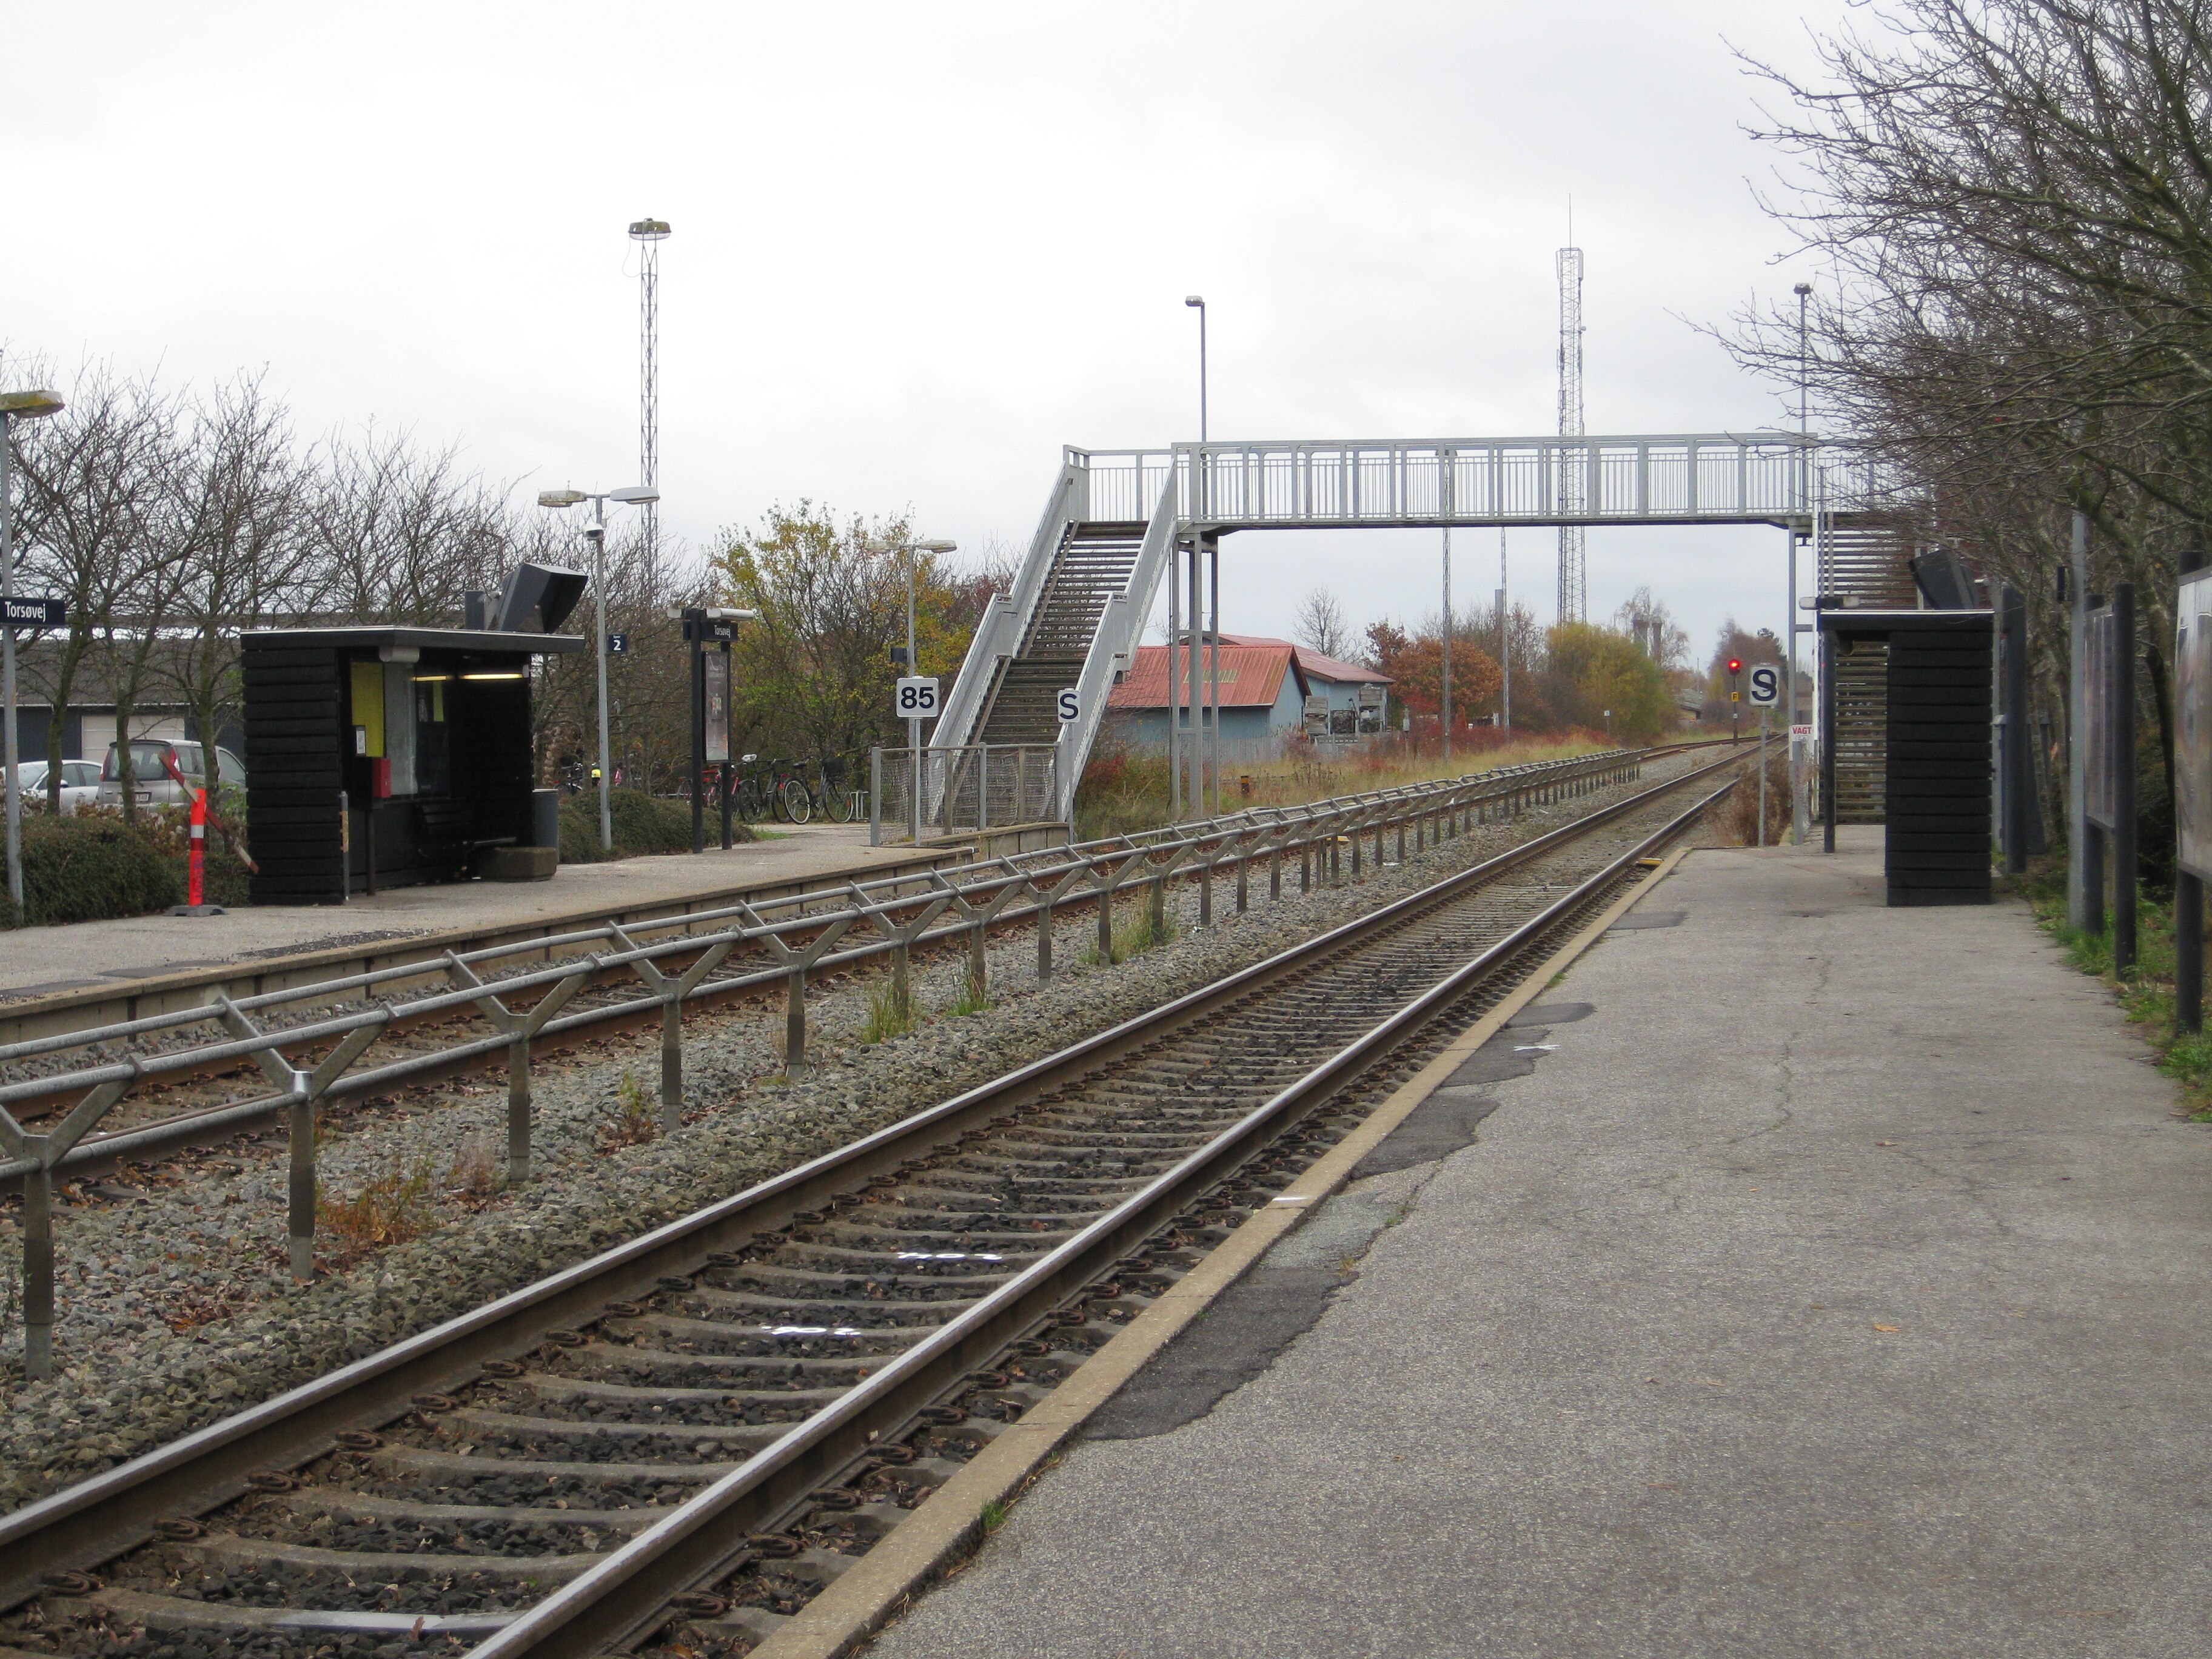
80 784
150 772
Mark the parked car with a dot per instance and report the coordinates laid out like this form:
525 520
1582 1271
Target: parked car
150 772
80 783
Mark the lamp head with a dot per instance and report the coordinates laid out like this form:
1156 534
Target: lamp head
559 497
650 230
1804 289
635 495
1195 299
29 405
937 547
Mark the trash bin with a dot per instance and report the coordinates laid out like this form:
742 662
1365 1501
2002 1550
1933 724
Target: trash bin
546 817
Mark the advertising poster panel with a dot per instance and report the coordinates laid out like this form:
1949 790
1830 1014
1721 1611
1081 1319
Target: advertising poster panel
717 665
2192 738
2101 782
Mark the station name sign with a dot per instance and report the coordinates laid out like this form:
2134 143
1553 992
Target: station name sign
703 630
34 613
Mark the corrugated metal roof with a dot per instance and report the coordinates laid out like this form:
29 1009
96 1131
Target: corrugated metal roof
1251 676
1312 662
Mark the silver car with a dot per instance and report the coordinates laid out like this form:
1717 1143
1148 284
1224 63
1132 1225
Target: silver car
80 784
150 772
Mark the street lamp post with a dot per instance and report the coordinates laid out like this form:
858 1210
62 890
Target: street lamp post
595 533
1198 301
1199 495
16 406
1797 823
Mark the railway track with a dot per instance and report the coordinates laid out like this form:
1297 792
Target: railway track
701 1428
180 1104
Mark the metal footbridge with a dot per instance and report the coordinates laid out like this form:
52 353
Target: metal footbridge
1116 520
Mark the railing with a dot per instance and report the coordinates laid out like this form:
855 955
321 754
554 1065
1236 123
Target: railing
1120 486
972 787
783 940
1695 478
1006 617
1121 626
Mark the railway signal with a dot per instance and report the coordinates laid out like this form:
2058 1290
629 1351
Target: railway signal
1735 699
1765 693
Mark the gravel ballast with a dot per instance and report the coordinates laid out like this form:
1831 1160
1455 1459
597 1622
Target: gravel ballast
175 1310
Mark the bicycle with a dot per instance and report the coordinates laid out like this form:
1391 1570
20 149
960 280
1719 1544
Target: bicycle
788 794
840 804
768 787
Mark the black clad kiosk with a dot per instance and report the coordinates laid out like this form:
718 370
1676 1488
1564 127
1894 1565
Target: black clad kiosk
392 756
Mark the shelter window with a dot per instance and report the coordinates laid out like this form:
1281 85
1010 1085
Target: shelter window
434 749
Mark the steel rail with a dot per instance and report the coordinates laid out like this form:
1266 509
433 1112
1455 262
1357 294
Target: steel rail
100 1517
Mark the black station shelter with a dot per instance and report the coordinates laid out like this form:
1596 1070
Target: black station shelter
1936 759
386 756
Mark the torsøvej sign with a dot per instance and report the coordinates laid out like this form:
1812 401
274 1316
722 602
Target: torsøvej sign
34 613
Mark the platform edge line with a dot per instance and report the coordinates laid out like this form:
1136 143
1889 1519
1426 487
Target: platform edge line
948 1527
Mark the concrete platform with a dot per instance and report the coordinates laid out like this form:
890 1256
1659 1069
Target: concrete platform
1820 1278
40 960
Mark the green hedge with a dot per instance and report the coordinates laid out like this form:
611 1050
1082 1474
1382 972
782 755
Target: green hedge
642 824
78 869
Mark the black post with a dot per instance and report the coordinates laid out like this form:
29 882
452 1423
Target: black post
2123 777
2188 908
1827 737
727 792
2017 759
693 619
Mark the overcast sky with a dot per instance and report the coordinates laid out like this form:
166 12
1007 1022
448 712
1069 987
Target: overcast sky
918 247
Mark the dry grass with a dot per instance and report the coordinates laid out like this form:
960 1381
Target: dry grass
1125 790
394 1207
475 1177
1735 821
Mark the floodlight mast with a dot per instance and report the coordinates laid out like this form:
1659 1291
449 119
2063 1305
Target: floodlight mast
596 532
648 234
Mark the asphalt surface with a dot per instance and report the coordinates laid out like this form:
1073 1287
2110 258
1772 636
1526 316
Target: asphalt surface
1836 1287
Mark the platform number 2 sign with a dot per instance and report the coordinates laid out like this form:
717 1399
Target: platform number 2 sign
1765 685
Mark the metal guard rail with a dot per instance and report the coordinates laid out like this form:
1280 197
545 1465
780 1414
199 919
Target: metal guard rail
904 911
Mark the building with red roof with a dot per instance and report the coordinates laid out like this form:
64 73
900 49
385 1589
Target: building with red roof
1265 685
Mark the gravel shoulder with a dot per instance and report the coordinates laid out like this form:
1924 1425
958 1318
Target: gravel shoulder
175 1310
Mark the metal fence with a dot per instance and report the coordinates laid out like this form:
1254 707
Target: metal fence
703 957
960 789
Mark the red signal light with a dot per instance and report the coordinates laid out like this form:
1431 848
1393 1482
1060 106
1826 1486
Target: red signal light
1736 664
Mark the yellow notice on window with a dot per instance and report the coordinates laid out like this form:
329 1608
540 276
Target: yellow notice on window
368 703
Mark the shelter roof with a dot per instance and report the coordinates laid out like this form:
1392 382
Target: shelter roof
482 639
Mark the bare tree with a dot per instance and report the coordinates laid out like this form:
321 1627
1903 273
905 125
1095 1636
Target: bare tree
248 559
2013 202
1319 625
1647 621
98 528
